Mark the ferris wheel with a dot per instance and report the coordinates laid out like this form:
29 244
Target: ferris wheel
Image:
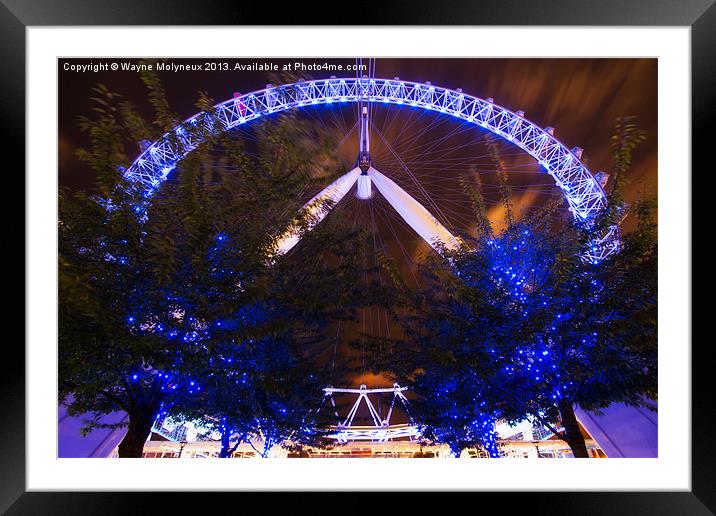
583 191
408 140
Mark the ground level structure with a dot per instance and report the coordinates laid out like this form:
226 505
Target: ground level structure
388 450
619 431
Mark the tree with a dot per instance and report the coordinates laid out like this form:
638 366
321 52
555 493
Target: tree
259 391
522 322
262 373
106 288
456 412
156 290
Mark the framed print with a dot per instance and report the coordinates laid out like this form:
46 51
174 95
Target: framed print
325 252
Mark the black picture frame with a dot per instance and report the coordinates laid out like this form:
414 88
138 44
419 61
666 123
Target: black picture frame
700 15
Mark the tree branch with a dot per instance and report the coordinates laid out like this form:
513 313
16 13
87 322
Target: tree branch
549 427
113 398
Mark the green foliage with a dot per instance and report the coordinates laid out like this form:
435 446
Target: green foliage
625 139
164 118
107 140
472 184
505 189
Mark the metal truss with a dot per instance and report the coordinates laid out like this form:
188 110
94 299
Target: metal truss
412 212
584 194
382 430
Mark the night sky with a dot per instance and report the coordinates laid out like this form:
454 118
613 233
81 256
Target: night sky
580 98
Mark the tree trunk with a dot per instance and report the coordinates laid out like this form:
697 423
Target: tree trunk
140 425
492 451
572 435
226 451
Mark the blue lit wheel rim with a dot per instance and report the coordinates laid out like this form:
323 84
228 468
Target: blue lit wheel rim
585 196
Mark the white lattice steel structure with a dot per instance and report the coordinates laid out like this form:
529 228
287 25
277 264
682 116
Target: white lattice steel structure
382 430
583 192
